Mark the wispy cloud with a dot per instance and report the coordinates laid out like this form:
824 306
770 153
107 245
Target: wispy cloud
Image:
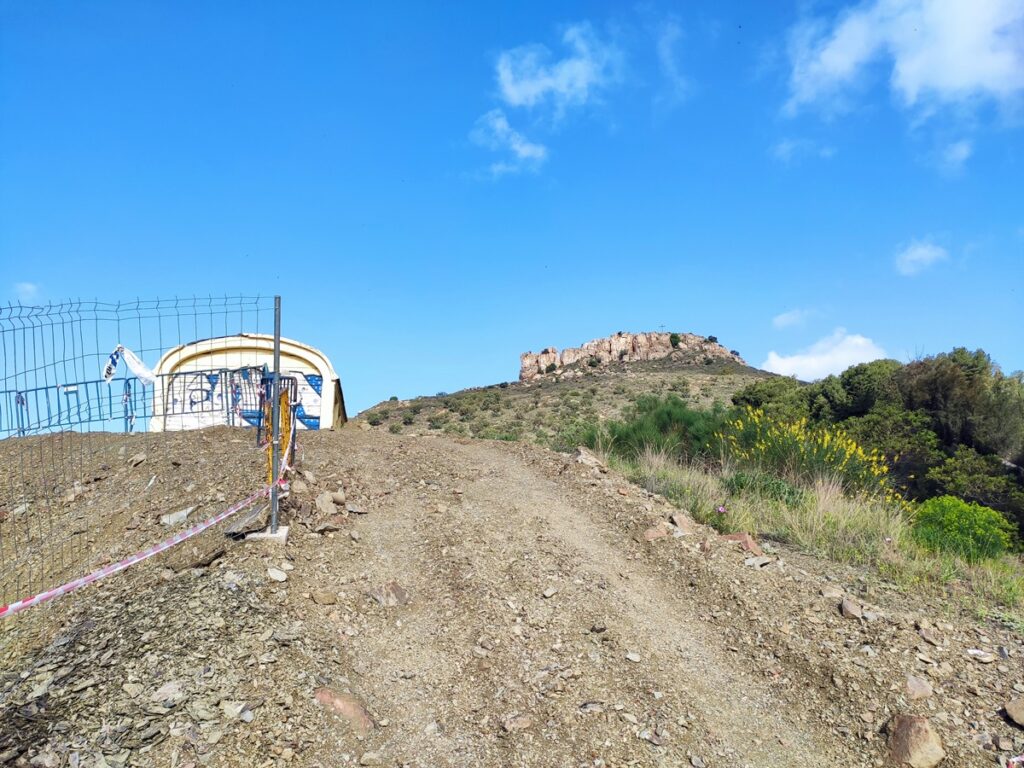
957 153
529 76
544 88
492 130
939 52
791 318
26 291
832 354
669 36
790 150
919 256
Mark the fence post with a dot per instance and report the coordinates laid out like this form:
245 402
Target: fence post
276 418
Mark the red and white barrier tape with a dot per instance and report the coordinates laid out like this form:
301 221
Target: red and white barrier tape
138 557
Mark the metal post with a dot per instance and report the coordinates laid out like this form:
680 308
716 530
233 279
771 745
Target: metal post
276 418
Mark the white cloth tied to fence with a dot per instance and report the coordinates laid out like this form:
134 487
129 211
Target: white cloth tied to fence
135 365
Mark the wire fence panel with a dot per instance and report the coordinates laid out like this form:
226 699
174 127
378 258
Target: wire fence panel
79 399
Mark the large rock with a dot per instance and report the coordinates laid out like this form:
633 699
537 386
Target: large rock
622 347
746 541
1015 709
588 458
913 743
851 609
918 687
175 518
325 503
348 706
571 356
533 365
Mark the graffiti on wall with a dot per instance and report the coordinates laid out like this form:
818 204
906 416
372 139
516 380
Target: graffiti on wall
197 399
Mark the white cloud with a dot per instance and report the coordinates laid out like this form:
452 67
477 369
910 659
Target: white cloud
939 52
788 150
527 76
790 318
493 131
832 354
530 77
956 154
26 291
668 37
919 256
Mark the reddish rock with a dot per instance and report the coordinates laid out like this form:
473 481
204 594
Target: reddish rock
918 687
746 541
391 595
683 523
914 743
348 706
851 609
516 723
621 348
656 532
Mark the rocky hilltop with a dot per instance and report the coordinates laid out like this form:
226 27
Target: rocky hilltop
626 348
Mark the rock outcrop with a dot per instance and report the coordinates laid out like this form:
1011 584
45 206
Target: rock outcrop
625 348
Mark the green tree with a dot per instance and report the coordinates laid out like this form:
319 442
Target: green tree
781 397
984 479
950 388
868 384
907 441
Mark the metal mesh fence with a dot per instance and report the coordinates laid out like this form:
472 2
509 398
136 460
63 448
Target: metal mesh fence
72 408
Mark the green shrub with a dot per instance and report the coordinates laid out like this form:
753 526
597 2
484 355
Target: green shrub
802 452
663 424
571 434
376 419
765 486
393 397
408 419
974 532
593 362
674 340
713 339
395 428
551 368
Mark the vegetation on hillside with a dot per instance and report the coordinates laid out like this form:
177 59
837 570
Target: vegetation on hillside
557 411
913 468
952 424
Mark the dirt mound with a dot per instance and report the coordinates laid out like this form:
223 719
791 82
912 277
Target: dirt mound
483 603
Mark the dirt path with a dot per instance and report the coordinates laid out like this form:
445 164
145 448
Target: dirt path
481 668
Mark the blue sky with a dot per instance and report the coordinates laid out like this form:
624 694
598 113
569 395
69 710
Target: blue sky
435 189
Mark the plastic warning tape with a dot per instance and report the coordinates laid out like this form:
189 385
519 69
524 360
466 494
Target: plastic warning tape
138 557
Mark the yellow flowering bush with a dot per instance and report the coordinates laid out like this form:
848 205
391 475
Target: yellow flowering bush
803 452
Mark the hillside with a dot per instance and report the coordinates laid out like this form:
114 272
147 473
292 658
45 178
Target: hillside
492 604
550 408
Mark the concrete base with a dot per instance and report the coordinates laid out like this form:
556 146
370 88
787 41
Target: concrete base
281 537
